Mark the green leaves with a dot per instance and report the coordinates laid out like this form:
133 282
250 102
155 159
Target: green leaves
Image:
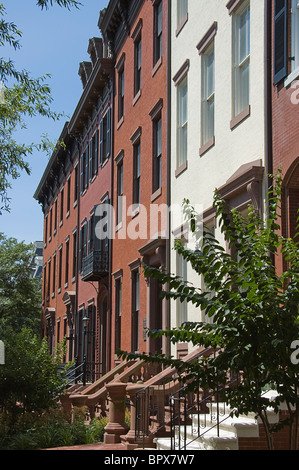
25 97
253 310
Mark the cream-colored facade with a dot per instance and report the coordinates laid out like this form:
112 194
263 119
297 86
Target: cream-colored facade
218 137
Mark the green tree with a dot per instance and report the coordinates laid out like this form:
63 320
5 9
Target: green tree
253 312
21 97
31 379
20 294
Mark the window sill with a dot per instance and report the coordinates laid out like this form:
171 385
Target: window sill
157 66
181 169
156 194
120 123
207 146
291 77
119 227
181 26
136 97
135 211
240 118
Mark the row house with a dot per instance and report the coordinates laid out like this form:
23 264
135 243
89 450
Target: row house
218 138
178 99
116 141
75 184
136 34
57 192
284 108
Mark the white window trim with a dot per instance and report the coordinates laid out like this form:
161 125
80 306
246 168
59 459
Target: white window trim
236 64
205 98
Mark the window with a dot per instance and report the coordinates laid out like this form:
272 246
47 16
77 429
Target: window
91 233
49 279
46 229
105 137
135 310
121 92
54 274
157 157
83 245
74 268
67 261
68 202
44 281
118 286
181 306
84 170
294 35
120 177
76 183
137 67
50 228
157 31
182 6
60 269
241 37
61 204
136 173
281 37
93 155
182 122
208 95
55 216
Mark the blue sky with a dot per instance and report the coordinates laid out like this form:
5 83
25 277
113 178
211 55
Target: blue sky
53 41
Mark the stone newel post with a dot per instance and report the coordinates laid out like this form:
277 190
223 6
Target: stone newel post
117 403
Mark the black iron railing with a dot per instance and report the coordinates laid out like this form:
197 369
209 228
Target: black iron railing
208 408
95 265
83 372
153 414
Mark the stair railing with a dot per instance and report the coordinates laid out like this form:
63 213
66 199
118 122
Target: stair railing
205 405
153 417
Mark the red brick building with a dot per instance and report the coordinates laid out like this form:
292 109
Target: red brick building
57 192
285 106
137 37
76 181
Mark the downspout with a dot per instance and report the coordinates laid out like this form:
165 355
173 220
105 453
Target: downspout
75 340
111 222
268 107
168 163
268 95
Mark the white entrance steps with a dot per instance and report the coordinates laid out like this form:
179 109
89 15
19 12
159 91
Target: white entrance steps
203 433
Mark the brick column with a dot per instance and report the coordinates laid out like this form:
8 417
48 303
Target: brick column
117 403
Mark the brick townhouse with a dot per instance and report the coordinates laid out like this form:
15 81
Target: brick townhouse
76 181
285 107
136 32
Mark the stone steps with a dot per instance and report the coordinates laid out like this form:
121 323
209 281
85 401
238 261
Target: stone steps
203 433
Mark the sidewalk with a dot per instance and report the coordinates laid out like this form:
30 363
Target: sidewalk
100 446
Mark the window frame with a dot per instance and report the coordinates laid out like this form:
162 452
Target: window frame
207 134
239 63
158 30
135 277
182 124
136 173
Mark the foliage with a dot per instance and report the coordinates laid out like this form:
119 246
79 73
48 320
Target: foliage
252 310
21 97
51 429
31 379
20 294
